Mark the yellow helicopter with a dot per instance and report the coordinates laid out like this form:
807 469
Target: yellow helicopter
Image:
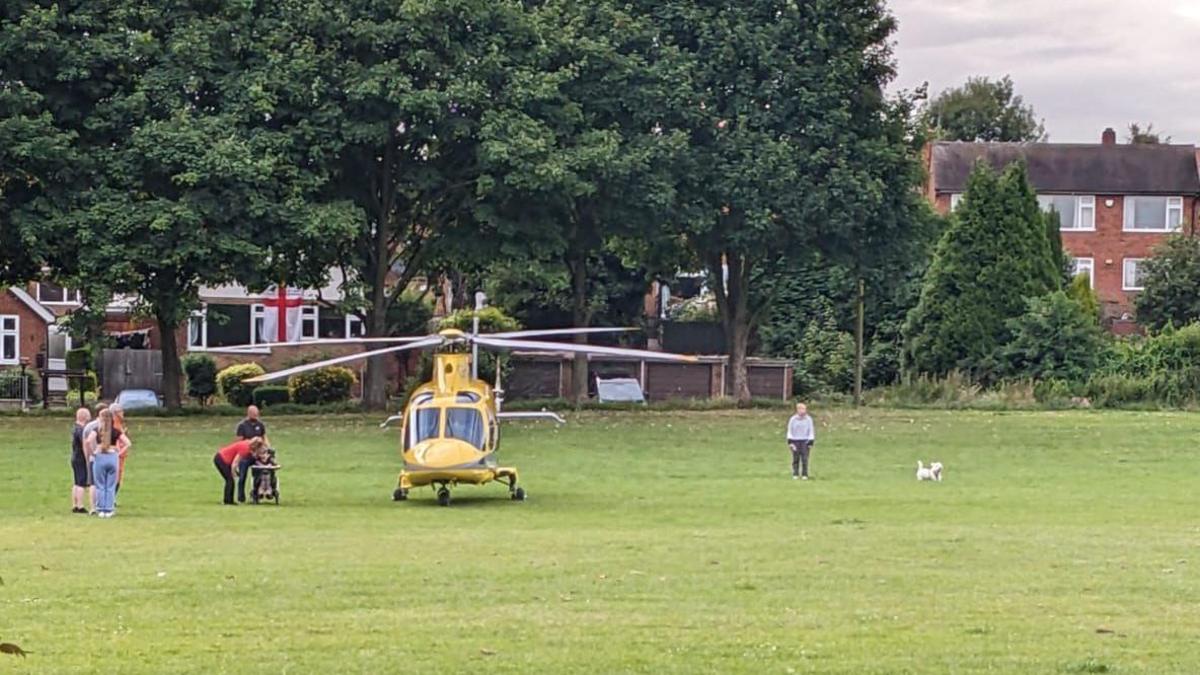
450 429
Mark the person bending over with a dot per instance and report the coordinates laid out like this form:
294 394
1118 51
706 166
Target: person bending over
229 458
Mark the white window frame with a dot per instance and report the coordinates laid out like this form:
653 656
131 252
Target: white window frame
202 315
1082 203
350 321
1174 204
16 333
310 318
1125 286
67 293
1080 264
257 311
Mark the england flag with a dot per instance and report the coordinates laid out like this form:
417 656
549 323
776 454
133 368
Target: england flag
281 318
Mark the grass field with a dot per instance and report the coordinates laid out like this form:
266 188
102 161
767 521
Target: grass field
657 542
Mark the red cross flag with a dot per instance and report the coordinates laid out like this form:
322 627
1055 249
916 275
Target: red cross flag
281 320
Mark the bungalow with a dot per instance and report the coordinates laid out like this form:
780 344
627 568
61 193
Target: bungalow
1116 202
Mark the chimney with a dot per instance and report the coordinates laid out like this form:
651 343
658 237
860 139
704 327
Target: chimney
1109 137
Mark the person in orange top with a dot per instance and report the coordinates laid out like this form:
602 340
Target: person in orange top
227 459
118 419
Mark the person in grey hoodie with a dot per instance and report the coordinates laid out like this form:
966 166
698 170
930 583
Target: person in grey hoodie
800 437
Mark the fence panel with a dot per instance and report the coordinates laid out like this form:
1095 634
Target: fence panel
131 369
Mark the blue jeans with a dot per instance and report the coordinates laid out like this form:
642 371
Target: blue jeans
104 475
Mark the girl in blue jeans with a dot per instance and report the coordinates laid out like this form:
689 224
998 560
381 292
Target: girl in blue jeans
109 443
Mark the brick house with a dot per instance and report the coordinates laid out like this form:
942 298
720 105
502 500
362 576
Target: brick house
230 316
1116 202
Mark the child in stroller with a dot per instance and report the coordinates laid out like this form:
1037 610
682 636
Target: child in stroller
265 484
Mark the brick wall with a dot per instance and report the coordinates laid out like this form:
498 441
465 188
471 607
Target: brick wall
33 329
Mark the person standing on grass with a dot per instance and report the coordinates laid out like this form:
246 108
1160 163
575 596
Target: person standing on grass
110 442
89 448
800 437
118 415
80 464
229 458
248 429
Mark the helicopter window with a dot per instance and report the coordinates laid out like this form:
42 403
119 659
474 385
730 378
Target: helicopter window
465 424
466 397
425 424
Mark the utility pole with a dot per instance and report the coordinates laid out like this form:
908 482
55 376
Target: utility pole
858 344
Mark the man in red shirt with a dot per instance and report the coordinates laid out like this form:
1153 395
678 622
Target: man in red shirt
227 458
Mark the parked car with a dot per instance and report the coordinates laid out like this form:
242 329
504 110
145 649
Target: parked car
133 399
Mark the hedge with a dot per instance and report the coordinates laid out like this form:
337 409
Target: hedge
326 385
268 395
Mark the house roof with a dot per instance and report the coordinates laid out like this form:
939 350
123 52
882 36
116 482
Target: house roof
37 307
1075 168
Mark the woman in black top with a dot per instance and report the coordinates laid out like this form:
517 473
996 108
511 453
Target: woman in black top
80 466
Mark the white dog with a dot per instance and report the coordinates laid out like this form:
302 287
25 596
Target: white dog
931 472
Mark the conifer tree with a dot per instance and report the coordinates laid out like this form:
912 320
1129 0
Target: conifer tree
994 256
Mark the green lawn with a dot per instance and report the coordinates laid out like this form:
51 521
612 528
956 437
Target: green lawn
656 542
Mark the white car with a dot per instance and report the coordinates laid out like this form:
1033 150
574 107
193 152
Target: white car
134 399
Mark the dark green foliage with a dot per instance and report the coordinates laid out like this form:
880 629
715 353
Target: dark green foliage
539 293
80 359
1055 339
1080 290
236 392
409 315
1054 236
10 379
201 371
88 382
267 396
983 110
1166 363
993 256
1172 284
325 385
824 355
491 320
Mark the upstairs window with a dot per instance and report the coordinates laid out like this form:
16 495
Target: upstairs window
954 200
1153 214
50 294
1075 212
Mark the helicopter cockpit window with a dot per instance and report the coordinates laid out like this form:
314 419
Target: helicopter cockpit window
424 425
465 424
466 397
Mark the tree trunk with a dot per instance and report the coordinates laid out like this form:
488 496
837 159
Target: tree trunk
579 319
172 372
738 336
375 378
858 344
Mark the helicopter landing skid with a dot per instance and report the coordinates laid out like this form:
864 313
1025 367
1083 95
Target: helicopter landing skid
441 481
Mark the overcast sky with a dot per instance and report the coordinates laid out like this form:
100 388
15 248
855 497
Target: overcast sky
1082 64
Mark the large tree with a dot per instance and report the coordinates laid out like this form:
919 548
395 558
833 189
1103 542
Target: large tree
576 160
784 109
388 99
994 256
174 182
983 110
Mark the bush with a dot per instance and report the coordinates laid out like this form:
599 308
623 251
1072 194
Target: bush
90 398
270 395
1116 390
229 382
491 320
10 382
1172 276
326 385
1055 339
201 372
80 359
824 356
87 382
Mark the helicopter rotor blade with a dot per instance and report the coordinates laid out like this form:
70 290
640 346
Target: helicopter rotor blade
517 334
502 343
243 349
431 341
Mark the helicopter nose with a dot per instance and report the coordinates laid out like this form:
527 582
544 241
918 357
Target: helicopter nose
445 454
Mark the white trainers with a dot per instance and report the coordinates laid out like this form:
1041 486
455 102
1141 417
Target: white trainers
803 477
795 477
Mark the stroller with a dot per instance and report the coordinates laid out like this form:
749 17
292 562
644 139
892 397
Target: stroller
265 484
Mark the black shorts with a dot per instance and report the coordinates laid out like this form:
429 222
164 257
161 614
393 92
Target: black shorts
82 471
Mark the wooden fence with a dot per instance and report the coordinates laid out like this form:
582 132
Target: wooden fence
131 369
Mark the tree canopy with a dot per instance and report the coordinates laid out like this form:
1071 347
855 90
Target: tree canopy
983 110
1171 280
994 255
1145 136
